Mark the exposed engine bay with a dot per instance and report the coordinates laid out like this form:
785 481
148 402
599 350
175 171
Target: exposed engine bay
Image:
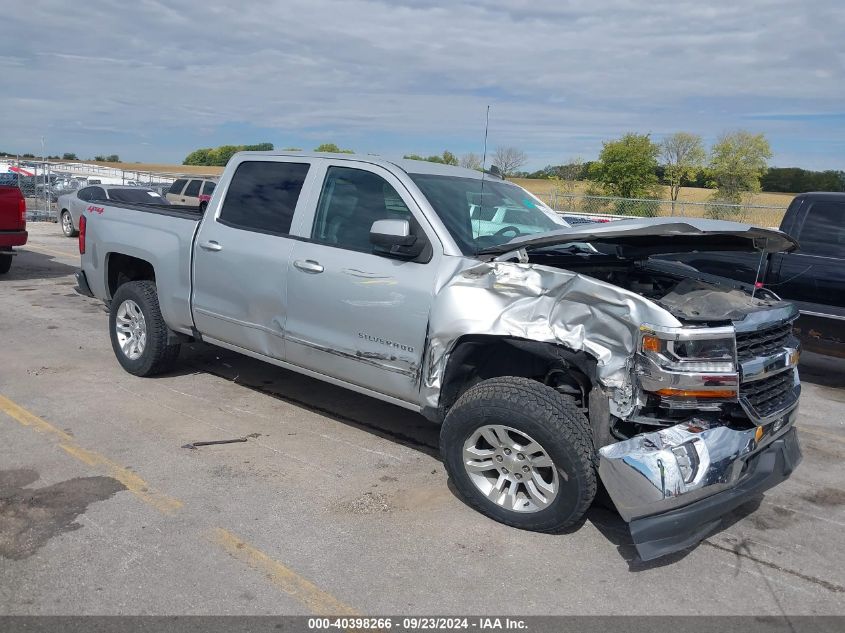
688 294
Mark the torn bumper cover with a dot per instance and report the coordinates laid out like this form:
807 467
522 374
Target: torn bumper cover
674 485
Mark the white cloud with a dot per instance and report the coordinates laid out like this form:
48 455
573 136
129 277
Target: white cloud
385 74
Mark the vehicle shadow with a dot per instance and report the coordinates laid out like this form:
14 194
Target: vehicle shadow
401 426
826 371
30 265
384 420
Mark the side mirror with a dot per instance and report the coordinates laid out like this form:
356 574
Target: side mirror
393 238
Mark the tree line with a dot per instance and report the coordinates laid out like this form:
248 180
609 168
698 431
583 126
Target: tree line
737 164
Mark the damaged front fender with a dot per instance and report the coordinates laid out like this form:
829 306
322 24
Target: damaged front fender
544 304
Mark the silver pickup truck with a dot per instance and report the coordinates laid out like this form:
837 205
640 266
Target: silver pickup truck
551 356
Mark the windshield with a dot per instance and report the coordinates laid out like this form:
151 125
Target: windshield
506 211
144 196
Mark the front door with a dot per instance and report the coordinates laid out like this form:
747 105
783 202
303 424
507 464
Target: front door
241 256
354 315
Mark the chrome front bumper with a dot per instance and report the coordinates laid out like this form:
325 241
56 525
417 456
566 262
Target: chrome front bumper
672 467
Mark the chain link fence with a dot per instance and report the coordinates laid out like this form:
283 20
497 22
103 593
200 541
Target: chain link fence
606 207
44 182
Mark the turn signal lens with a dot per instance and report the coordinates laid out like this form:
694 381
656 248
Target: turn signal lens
692 393
651 344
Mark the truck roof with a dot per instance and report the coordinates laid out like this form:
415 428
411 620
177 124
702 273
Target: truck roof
407 165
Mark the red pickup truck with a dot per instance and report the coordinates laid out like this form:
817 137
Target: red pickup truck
12 224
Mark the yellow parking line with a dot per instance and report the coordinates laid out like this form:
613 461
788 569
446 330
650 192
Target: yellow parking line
297 587
134 484
303 591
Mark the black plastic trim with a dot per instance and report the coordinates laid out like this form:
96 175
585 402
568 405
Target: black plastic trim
82 286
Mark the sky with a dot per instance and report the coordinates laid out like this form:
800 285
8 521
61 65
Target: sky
152 81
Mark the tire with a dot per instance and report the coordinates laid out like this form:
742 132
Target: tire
156 355
203 207
5 263
66 220
532 412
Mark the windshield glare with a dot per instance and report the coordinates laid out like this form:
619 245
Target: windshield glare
504 212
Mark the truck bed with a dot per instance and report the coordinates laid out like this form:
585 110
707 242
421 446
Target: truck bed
160 234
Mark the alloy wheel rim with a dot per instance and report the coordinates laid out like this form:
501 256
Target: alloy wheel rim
131 329
66 223
510 468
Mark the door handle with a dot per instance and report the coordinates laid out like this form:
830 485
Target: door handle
308 266
211 245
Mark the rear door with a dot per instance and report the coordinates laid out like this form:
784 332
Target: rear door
241 255
174 194
191 195
355 315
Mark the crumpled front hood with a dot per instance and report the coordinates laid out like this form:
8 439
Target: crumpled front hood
651 236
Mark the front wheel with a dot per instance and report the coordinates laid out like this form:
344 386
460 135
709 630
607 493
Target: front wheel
521 453
139 336
67 225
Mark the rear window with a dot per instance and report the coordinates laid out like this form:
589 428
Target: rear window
177 186
263 195
193 188
823 232
143 196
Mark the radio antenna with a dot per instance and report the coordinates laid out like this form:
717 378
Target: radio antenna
483 168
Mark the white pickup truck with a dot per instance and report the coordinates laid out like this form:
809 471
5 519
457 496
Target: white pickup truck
552 356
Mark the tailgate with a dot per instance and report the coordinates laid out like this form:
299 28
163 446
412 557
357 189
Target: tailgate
12 209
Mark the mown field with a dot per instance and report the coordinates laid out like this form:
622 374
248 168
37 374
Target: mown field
540 187
688 194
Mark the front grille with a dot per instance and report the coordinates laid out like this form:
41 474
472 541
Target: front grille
769 395
762 342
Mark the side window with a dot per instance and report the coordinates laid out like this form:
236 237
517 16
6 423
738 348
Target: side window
84 194
351 200
193 188
262 196
208 187
823 232
177 186
97 193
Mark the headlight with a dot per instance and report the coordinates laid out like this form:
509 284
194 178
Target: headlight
691 350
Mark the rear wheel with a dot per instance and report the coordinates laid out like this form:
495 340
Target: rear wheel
139 336
67 225
5 263
521 453
203 207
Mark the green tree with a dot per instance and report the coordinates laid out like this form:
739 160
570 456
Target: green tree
737 162
291 149
199 157
112 158
331 148
449 158
626 167
683 156
259 147
69 156
446 158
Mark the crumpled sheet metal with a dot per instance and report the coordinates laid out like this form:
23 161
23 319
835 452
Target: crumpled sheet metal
544 304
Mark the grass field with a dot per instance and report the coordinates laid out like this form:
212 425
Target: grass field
688 194
537 187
